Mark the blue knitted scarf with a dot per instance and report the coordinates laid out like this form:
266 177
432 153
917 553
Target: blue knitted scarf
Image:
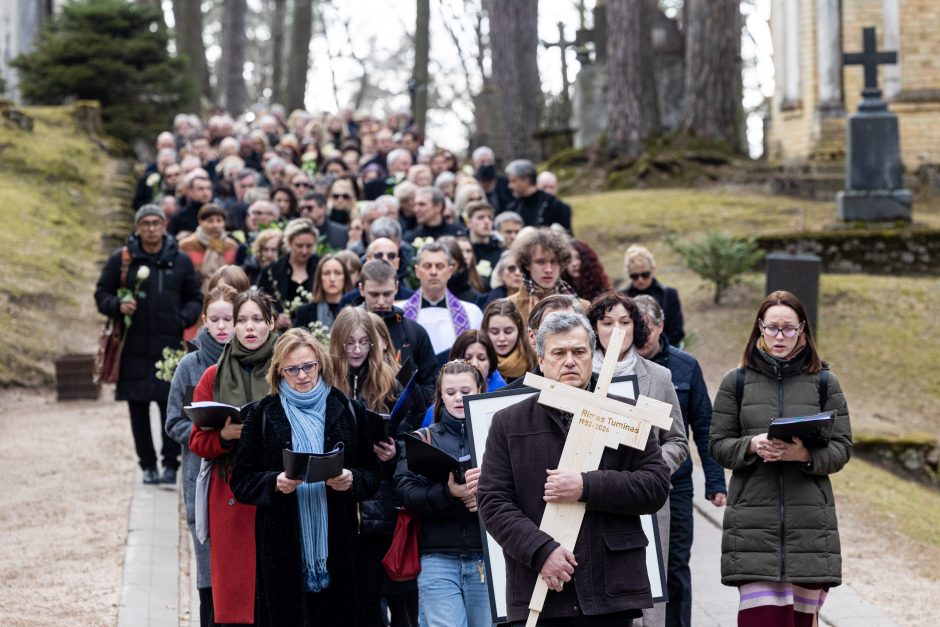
306 412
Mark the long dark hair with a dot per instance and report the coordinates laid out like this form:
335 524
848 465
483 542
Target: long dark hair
505 307
593 280
470 337
607 301
787 299
456 366
265 303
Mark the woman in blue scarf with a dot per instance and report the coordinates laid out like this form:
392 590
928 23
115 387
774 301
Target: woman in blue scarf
305 532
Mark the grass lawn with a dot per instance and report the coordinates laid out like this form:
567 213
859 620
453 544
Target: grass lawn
879 333
52 186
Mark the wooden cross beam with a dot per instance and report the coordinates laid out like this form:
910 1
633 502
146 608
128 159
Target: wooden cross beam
598 422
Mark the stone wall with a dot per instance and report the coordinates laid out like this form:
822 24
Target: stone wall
799 133
894 251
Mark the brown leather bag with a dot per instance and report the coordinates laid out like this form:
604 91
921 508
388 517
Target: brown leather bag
108 357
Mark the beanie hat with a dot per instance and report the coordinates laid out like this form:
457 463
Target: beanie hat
149 210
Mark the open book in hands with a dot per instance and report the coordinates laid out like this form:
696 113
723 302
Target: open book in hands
212 415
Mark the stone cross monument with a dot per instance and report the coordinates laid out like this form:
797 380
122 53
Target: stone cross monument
873 171
598 422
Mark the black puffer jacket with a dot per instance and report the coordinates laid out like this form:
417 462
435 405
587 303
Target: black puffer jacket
447 526
275 280
780 523
170 301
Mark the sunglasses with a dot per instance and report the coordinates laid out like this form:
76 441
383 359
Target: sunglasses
340 196
302 184
640 275
388 256
293 371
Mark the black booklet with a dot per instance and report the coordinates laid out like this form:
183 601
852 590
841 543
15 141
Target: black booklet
815 431
313 467
212 415
429 461
405 404
379 426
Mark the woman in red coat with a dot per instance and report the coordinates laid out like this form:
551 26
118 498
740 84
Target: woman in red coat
237 379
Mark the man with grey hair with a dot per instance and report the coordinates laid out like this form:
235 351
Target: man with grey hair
398 162
507 225
494 186
536 207
435 307
274 170
313 205
607 569
429 215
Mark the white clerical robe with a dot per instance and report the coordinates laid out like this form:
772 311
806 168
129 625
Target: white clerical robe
438 323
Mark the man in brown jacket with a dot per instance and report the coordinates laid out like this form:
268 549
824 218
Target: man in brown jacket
519 475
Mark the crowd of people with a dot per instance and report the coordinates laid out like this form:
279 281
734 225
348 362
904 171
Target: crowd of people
307 260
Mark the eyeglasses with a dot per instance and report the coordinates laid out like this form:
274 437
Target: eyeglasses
640 275
512 269
294 371
772 331
340 196
389 256
150 224
362 344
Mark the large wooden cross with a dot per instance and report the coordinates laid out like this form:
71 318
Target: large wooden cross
598 422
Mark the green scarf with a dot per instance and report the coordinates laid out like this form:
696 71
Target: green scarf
235 386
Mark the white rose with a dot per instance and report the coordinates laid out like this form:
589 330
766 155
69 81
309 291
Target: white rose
143 273
484 268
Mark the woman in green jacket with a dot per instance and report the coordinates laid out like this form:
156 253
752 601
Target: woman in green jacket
780 544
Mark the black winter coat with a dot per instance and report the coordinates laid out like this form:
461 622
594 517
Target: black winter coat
279 594
526 439
170 301
275 280
696 413
668 299
542 209
447 526
412 342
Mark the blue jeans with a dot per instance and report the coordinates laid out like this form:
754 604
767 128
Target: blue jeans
452 591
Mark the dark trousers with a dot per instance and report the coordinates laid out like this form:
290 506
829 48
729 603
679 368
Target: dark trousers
620 619
206 613
143 441
679 577
381 596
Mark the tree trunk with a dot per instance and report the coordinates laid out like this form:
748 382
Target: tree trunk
419 99
188 18
712 107
298 57
278 19
514 45
633 109
232 62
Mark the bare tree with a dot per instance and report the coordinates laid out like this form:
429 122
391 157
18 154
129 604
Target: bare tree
419 98
232 62
187 16
712 106
278 17
514 47
299 55
633 110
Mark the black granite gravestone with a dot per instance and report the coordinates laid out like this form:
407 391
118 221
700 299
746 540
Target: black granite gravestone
873 169
798 274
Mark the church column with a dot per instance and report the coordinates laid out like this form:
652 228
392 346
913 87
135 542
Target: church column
829 58
891 40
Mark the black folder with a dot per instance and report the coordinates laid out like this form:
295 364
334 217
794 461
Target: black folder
212 415
815 431
431 462
313 467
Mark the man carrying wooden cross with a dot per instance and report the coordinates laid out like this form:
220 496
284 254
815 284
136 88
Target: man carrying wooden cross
520 474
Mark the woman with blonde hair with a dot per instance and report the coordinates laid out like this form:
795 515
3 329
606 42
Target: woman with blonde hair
358 368
265 250
639 267
292 274
306 532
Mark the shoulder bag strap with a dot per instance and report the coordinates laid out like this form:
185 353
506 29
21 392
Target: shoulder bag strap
125 265
823 388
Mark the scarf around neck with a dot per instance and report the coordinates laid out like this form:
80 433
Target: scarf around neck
208 345
514 365
539 292
216 244
457 312
306 412
625 366
235 386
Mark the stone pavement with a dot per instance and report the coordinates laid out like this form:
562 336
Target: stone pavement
158 592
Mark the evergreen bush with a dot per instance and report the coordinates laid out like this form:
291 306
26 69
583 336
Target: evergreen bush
718 258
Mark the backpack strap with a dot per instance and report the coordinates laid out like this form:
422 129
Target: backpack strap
739 388
823 387
424 434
